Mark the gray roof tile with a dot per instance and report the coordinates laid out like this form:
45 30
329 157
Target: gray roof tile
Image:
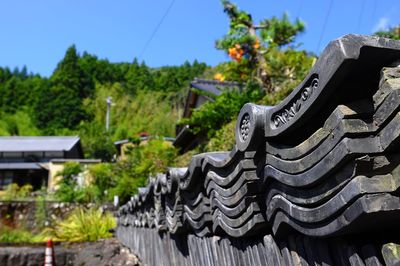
42 143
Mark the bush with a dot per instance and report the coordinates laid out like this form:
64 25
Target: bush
83 225
15 192
69 190
102 180
40 212
211 116
224 139
142 160
12 235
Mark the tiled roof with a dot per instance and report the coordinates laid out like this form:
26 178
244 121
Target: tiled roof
42 143
212 86
14 166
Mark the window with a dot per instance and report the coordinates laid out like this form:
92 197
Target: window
54 154
12 155
6 178
36 154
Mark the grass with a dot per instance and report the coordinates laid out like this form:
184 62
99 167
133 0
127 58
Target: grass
13 235
83 225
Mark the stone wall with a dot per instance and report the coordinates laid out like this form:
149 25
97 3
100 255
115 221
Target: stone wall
165 249
104 252
305 176
29 213
15 256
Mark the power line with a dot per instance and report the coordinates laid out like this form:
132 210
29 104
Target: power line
299 9
156 28
324 25
360 16
373 12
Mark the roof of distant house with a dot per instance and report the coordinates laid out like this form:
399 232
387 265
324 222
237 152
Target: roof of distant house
20 166
83 161
184 138
42 143
212 86
124 141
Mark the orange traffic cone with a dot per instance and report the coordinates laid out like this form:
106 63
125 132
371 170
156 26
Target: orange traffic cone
49 254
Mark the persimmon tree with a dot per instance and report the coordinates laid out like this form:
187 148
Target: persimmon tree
247 43
392 33
264 61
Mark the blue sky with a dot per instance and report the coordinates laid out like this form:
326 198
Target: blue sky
37 33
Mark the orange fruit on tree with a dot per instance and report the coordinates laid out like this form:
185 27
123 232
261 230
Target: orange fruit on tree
219 77
232 52
256 44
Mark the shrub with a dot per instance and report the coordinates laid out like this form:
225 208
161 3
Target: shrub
40 212
12 235
24 191
224 139
15 192
211 116
83 225
68 190
102 180
142 160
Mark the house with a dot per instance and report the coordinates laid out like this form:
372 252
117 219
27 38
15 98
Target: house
201 91
57 165
36 160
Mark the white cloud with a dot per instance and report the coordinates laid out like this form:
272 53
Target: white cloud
383 24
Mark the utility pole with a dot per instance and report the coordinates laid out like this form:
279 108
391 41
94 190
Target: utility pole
108 113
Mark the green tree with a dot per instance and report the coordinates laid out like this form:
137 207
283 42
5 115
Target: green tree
142 161
68 190
101 70
247 42
138 78
60 106
99 145
69 74
5 74
212 115
392 33
262 55
101 180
